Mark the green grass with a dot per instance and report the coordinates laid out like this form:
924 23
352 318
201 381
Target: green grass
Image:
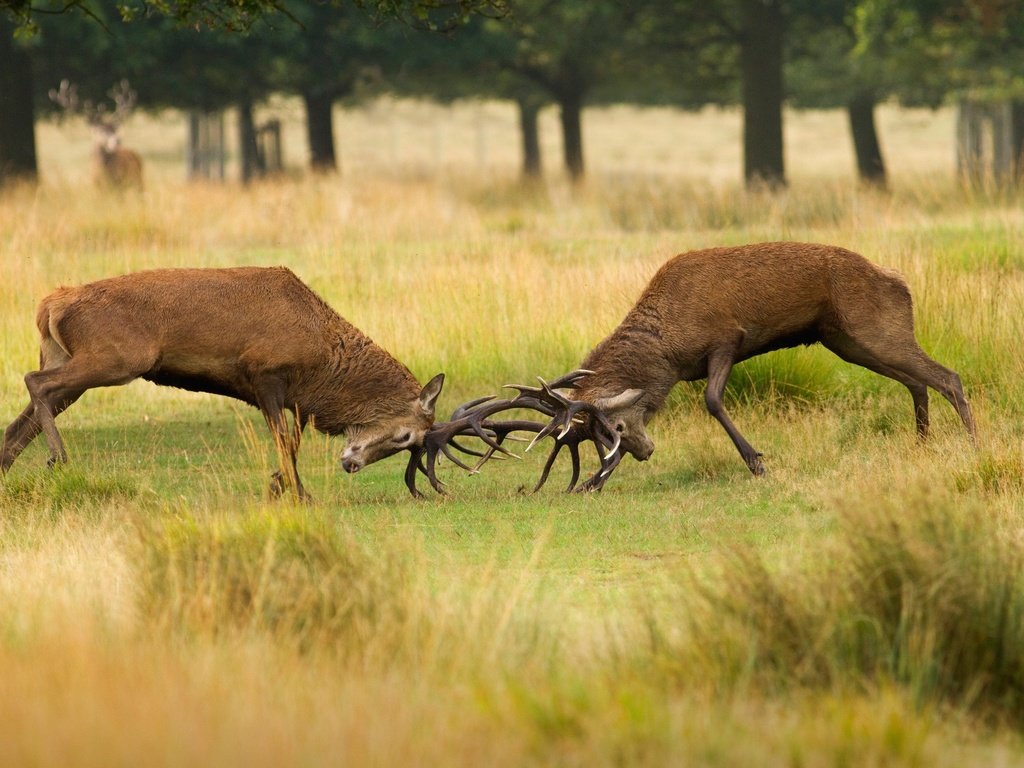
858 605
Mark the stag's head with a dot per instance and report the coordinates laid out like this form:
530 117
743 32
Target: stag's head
106 123
405 430
608 422
628 416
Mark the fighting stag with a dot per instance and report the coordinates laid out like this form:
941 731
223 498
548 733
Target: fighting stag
259 335
114 166
707 310
569 421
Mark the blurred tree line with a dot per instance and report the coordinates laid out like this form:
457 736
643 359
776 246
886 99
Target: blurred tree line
758 54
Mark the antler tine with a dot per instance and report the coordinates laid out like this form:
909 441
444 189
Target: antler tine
571 442
468 420
571 379
473 419
569 430
124 97
411 468
465 408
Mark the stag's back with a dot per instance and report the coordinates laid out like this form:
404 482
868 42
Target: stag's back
216 330
777 294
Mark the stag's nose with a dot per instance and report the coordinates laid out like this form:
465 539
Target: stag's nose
643 452
351 465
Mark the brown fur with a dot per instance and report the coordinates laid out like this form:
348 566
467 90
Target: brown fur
706 310
119 169
254 334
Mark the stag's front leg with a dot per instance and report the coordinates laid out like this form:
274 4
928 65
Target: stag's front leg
719 367
286 441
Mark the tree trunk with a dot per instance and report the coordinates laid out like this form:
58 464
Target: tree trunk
870 165
761 70
529 110
572 134
320 129
252 163
1017 140
17 112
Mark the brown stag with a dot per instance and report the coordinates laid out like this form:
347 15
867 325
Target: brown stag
707 310
259 335
113 165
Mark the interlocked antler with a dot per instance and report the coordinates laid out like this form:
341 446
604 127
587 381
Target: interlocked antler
566 418
574 428
470 419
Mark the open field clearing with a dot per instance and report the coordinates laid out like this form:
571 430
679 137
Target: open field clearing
862 604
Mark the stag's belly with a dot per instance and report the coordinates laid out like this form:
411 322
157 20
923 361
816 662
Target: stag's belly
758 341
213 379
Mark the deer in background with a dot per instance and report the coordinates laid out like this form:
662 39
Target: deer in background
705 311
113 166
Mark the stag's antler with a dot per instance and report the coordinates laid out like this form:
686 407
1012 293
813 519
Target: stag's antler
566 417
577 421
124 98
470 419
122 94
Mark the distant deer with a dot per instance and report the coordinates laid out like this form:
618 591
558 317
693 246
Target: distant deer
259 335
706 310
113 165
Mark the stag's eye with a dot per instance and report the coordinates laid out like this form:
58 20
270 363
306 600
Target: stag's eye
620 427
404 438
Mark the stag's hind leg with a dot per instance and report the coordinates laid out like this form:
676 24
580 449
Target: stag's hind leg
943 380
908 364
55 388
22 431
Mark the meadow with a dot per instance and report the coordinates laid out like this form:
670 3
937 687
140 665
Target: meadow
862 604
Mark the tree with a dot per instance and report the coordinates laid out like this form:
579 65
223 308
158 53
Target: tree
17 141
17 129
825 69
742 40
325 56
565 50
761 32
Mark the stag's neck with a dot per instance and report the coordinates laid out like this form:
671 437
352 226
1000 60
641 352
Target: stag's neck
632 357
365 384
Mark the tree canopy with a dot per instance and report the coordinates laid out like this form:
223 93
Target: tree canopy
757 54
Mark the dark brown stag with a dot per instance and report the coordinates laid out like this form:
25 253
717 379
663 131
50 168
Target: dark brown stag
706 310
259 335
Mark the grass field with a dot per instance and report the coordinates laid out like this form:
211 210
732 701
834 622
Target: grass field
863 604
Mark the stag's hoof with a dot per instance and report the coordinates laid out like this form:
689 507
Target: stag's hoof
590 485
276 485
757 466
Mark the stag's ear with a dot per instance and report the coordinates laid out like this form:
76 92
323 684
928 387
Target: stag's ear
618 402
430 393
